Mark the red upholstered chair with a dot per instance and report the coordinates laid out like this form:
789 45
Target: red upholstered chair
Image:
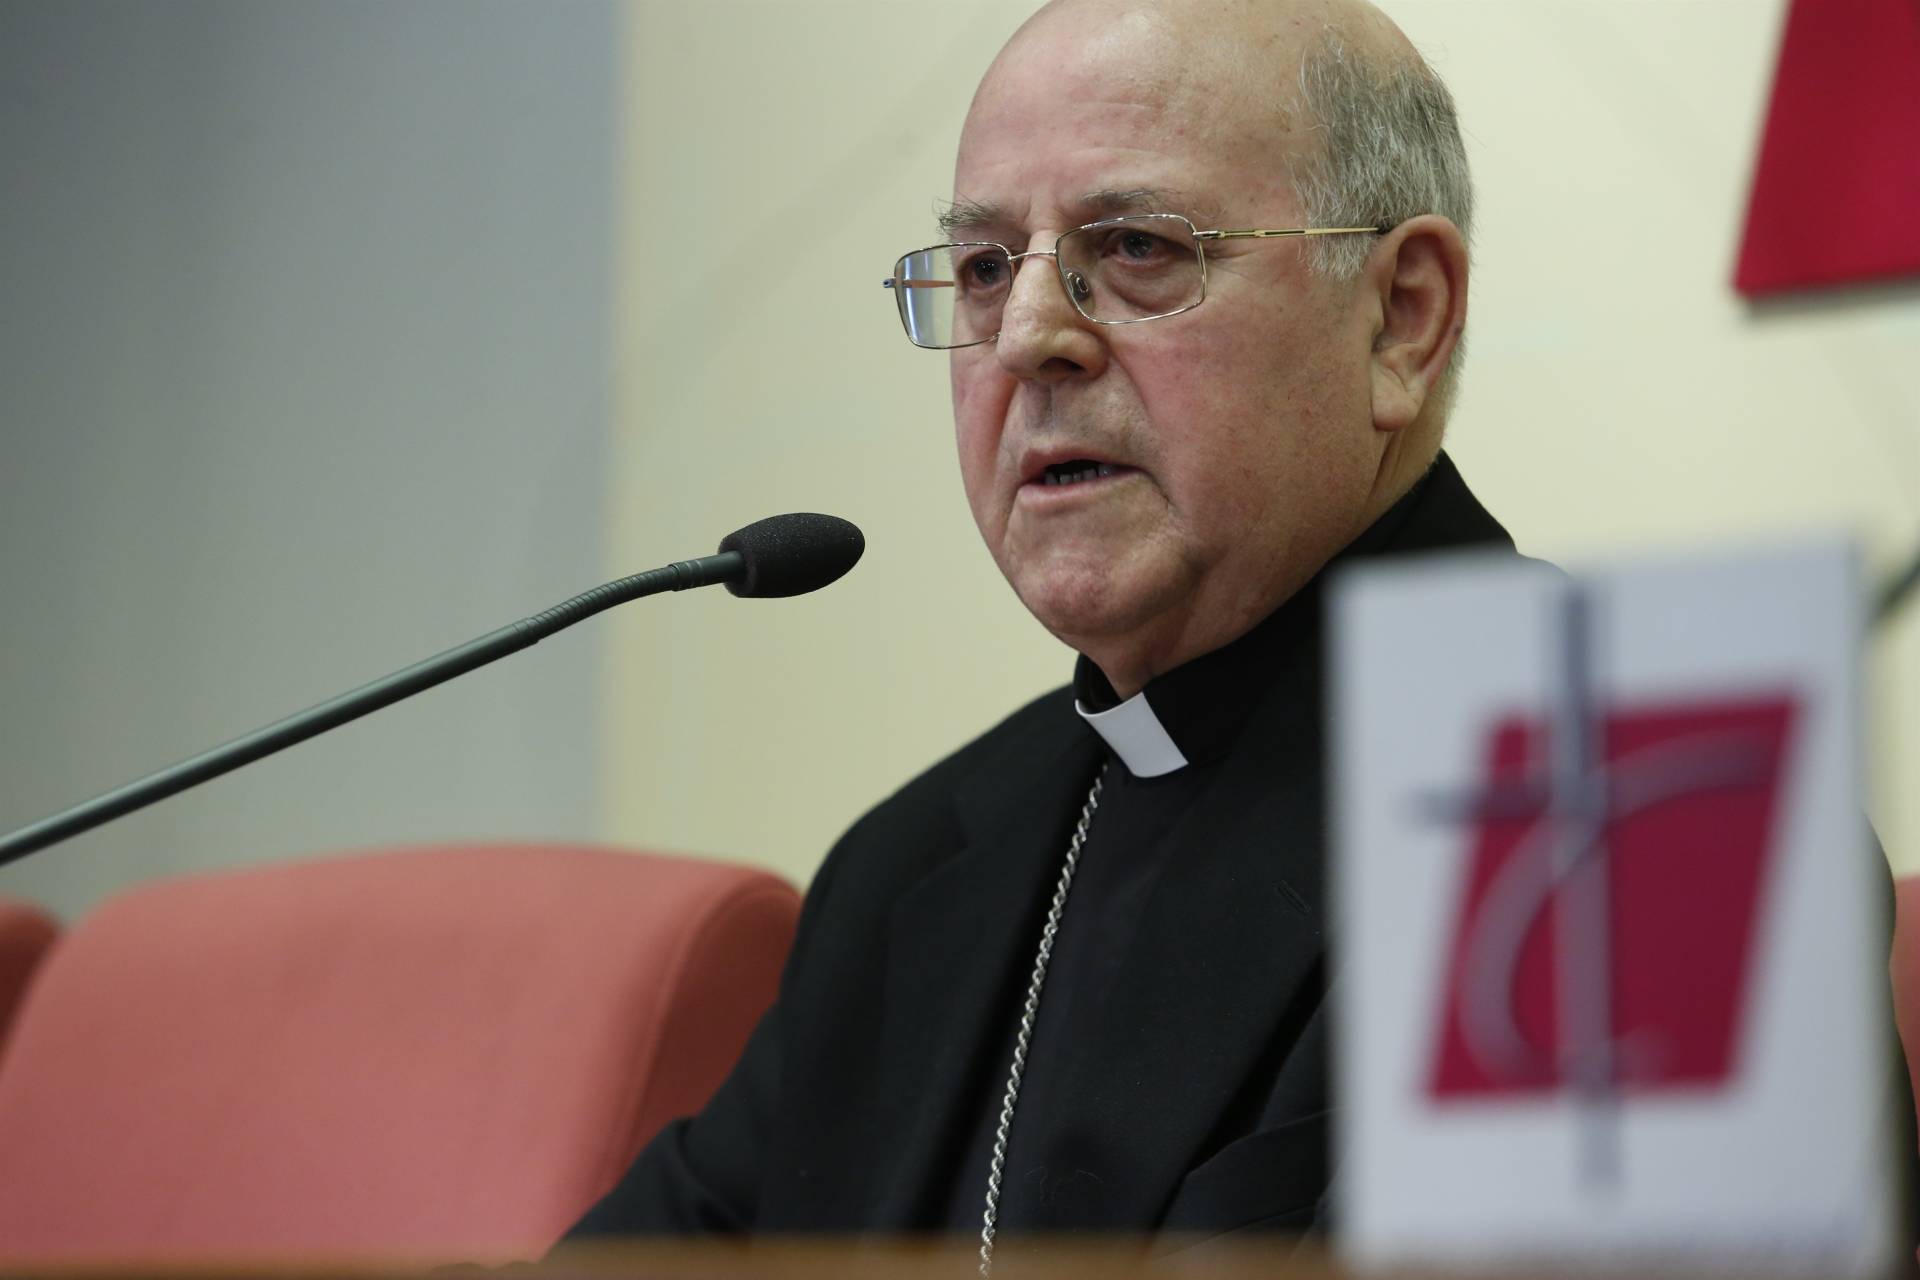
429 1055
1905 972
25 934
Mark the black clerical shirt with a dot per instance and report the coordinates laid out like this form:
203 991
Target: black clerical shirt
1163 749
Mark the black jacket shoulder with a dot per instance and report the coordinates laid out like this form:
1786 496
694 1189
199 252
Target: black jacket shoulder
904 837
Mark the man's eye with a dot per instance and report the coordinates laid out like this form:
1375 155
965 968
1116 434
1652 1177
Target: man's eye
986 271
1140 245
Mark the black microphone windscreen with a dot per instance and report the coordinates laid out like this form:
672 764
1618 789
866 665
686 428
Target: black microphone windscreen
793 554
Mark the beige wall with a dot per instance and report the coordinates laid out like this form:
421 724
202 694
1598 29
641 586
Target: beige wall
779 155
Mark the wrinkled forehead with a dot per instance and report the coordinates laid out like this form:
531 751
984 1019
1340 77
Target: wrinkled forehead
1101 97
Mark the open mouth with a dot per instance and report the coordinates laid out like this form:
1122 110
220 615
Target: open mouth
1076 471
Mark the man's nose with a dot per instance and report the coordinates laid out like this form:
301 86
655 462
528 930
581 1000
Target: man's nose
1042 336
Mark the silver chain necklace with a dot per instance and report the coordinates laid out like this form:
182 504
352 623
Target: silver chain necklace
1027 1014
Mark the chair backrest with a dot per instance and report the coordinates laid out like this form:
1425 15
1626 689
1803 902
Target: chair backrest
429 1055
1904 970
26 932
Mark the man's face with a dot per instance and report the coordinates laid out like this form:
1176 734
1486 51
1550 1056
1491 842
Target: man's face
1239 433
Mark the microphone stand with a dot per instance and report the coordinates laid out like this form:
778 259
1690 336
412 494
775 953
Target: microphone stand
725 567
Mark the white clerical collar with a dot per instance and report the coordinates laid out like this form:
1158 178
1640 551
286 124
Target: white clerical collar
1136 736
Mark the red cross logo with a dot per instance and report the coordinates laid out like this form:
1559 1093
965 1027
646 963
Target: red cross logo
1604 939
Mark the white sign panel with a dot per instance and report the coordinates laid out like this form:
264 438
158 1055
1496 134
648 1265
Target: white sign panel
1611 972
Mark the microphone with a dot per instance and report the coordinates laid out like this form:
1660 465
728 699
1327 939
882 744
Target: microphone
786 555
793 554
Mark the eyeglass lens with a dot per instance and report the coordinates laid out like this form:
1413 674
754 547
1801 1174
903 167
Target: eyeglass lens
1114 272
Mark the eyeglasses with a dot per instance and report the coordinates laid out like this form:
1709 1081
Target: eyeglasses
1117 271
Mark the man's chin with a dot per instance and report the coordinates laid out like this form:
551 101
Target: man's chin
1089 609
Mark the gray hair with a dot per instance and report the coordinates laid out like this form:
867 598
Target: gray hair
1390 150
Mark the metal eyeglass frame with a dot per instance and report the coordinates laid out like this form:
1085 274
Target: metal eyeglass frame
1013 260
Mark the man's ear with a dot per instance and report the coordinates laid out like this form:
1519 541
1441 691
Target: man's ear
1416 277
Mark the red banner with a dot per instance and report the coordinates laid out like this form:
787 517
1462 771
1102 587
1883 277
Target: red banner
1836 193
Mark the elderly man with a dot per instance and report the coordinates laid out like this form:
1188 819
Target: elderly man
1205 281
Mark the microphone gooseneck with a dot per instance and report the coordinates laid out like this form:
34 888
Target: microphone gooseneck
779 556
